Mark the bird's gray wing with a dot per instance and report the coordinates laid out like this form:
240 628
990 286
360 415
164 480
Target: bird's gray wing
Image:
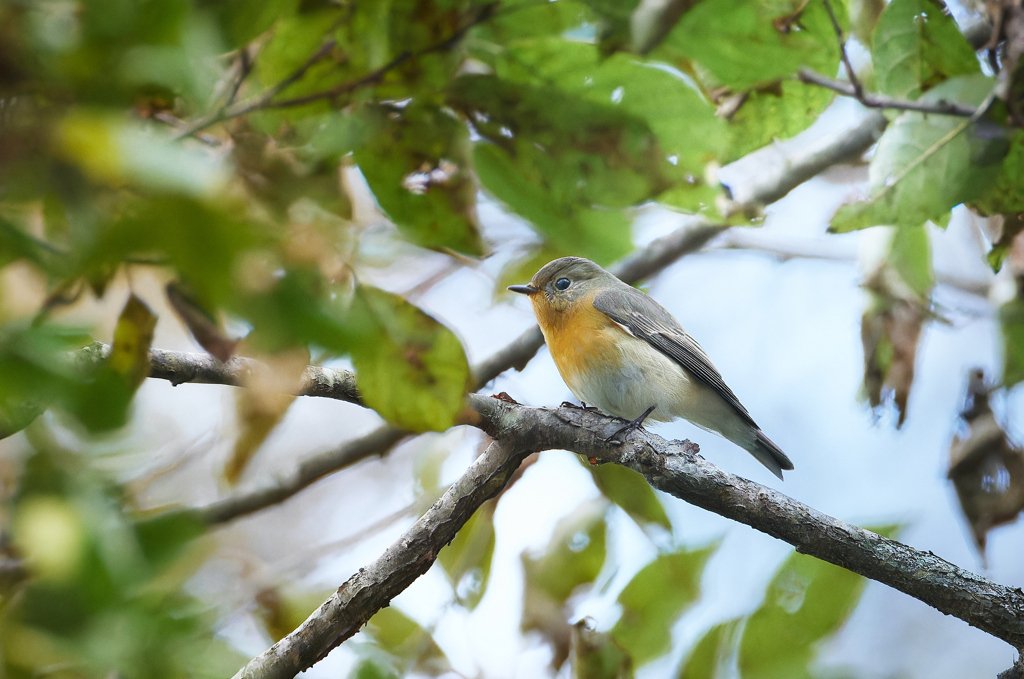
646 319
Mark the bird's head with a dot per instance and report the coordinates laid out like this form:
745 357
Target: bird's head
563 282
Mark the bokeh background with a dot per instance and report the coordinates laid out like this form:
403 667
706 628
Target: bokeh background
776 300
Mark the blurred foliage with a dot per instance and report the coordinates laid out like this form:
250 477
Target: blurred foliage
228 144
807 601
898 291
571 562
655 598
986 467
104 593
467 559
630 490
398 647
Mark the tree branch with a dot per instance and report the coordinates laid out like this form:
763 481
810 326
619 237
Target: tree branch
848 89
672 466
850 73
180 367
265 99
373 587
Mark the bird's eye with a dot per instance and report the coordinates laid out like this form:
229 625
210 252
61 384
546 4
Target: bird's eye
562 283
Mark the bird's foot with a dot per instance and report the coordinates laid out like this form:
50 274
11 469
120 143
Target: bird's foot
630 427
582 406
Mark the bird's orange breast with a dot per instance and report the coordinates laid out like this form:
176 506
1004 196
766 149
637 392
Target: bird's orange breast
581 338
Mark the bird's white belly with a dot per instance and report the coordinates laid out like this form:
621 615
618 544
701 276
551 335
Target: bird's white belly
644 377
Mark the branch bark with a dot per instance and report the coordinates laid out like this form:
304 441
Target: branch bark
672 466
880 101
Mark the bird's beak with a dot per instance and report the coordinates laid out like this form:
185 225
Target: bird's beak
524 289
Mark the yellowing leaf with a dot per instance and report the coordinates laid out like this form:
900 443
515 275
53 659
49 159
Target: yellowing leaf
412 370
133 336
269 391
113 150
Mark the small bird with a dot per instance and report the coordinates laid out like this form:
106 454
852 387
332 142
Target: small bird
621 351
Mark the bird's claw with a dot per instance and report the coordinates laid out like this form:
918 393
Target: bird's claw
630 427
582 406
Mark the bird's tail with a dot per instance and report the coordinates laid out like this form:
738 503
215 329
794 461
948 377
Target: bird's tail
769 454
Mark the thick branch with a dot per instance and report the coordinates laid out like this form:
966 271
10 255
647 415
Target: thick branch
373 587
672 466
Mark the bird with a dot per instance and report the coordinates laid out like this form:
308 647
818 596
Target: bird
621 351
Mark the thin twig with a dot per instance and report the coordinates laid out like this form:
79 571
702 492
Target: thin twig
260 101
179 125
265 99
858 89
245 64
847 89
338 90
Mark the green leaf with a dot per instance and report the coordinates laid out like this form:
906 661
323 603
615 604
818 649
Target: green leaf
1013 225
687 129
910 255
522 19
613 25
16 244
573 558
418 167
599 234
630 490
926 165
295 40
1011 319
652 20
655 598
778 112
917 45
742 44
243 20
368 669
163 536
711 651
35 372
1005 194
595 655
864 16
412 370
402 637
807 600
467 559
